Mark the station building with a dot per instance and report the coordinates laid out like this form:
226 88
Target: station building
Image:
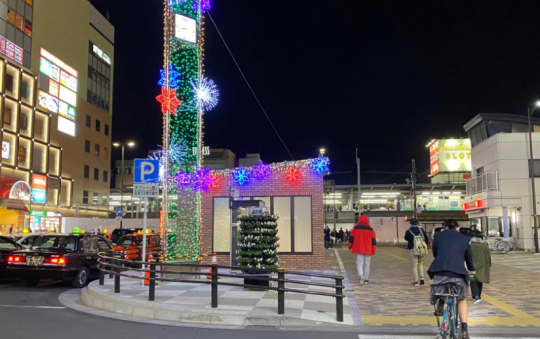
56 80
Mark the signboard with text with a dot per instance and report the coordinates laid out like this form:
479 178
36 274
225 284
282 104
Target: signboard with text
449 155
145 190
11 50
39 188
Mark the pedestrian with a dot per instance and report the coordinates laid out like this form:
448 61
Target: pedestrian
347 235
333 234
341 235
482 263
326 237
363 243
417 244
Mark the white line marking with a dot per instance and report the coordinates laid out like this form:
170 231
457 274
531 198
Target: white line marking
339 261
37 307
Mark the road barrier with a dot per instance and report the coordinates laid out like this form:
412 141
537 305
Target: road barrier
116 265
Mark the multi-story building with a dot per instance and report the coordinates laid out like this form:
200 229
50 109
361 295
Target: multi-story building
56 84
499 195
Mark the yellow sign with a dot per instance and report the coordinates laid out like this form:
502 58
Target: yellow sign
450 155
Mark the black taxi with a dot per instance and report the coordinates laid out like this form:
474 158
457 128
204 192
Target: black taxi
7 245
71 258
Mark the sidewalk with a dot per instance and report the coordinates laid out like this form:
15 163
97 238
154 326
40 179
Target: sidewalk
511 300
190 303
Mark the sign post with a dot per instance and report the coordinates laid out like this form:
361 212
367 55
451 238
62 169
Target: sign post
145 184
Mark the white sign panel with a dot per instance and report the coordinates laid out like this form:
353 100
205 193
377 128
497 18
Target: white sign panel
185 28
6 148
145 190
47 101
66 126
68 96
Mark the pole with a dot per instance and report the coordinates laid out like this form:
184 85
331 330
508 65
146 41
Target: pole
358 178
533 186
145 226
335 210
122 187
413 181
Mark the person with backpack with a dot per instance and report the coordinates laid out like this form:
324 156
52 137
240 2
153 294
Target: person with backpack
417 244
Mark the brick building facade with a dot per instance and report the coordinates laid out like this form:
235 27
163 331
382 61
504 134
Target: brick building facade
292 190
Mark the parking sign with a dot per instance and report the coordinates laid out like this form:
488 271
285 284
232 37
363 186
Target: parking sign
146 171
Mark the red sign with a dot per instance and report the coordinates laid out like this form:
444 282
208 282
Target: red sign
11 50
475 205
434 159
39 182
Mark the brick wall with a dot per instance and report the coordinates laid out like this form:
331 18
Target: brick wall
309 184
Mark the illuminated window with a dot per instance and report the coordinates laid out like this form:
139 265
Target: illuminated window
23 153
54 161
41 126
11 16
99 77
10 115
39 156
27 89
65 193
12 81
25 121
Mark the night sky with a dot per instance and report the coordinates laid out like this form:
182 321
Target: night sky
383 76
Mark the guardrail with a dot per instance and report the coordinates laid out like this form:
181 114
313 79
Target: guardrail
117 266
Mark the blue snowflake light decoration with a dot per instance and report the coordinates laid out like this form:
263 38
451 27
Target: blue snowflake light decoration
261 171
320 165
241 176
206 93
206 5
174 75
177 152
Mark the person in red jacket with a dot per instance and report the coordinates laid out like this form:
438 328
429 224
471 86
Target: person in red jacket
363 243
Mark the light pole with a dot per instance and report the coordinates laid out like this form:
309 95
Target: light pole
122 145
530 111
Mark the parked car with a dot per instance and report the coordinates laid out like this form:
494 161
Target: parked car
70 258
131 245
27 241
120 232
7 245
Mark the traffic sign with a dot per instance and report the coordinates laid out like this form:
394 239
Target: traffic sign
146 171
119 212
145 190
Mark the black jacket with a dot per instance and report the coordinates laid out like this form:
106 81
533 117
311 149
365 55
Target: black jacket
452 251
415 230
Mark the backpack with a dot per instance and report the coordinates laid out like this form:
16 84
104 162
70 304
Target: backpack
420 247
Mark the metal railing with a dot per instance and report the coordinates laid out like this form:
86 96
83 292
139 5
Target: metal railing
159 271
487 182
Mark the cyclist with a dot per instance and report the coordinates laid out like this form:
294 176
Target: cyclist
451 249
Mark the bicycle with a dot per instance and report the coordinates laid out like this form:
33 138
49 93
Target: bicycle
444 299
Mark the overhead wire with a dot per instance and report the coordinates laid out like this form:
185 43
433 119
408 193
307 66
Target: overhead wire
248 84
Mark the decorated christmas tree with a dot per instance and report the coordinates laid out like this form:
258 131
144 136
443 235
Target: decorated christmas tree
258 243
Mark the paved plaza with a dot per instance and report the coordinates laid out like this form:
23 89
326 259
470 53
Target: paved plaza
510 300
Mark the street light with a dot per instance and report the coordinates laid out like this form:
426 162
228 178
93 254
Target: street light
122 145
530 111
322 151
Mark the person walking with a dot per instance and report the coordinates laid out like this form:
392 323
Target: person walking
417 244
363 243
326 237
341 235
482 263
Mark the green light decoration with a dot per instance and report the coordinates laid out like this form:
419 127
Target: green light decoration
186 125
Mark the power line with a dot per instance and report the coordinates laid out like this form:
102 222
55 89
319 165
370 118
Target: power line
250 87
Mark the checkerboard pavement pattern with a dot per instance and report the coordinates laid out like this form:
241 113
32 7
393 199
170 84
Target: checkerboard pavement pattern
248 302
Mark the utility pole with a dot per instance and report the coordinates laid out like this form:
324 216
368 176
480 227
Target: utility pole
358 178
413 182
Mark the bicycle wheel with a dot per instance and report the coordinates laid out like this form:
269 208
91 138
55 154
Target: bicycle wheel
453 318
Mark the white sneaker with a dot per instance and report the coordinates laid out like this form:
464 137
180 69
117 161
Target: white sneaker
477 301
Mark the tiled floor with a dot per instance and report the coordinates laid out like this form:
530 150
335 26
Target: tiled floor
250 303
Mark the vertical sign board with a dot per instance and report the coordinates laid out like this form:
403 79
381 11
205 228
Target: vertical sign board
39 188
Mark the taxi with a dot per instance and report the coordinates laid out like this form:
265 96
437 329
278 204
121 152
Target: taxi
130 245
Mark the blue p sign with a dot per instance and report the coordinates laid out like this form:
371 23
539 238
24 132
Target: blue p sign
146 171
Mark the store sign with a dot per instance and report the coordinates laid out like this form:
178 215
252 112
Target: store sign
474 205
38 213
185 28
39 188
62 87
11 50
6 150
66 126
449 155
48 102
101 54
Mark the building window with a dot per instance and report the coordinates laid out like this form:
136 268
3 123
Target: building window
86 171
9 83
85 197
95 198
96 174
105 176
88 121
106 130
99 77
98 125
96 149
87 146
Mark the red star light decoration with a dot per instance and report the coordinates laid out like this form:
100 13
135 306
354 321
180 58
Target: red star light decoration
293 174
168 100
